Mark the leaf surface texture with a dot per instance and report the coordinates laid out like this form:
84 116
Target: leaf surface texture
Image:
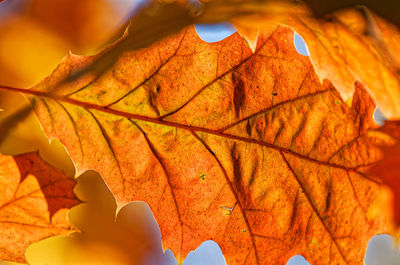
247 149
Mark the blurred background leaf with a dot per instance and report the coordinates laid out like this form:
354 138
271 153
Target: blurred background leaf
37 34
388 9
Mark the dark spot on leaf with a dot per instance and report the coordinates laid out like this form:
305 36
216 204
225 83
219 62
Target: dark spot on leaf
248 128
238 93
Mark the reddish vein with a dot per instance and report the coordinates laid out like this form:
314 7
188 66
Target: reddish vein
172 124
312 205
238 201
168 178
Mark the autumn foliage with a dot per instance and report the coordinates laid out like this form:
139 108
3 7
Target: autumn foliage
244 141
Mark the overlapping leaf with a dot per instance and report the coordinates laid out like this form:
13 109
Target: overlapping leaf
247 149
33 202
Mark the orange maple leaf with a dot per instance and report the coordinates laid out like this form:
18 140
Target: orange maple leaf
248 149
33 201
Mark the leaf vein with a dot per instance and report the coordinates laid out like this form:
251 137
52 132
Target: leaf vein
156 155
238 201
313 207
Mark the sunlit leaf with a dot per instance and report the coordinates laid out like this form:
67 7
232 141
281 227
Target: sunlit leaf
247 149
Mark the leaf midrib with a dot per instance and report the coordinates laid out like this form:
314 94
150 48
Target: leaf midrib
159 121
